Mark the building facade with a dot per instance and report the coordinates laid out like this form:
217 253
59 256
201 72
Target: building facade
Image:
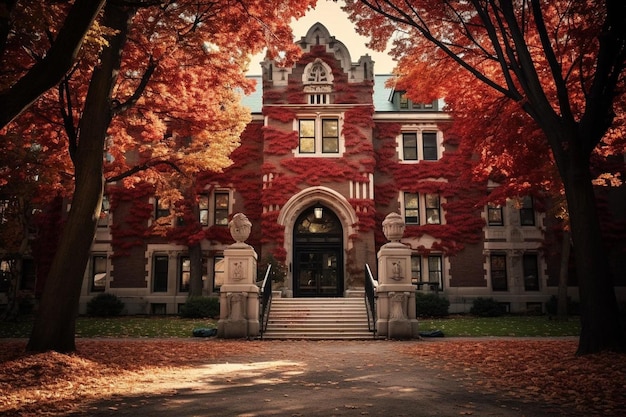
332 149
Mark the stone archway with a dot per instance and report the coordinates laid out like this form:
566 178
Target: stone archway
305 200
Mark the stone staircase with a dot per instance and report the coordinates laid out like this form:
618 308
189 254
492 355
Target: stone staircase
318 318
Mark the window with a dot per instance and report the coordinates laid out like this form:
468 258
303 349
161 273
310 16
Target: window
531 272
218 272
318 73
409 146
404 101
98 273
413 212
162 209
319 99
330 136
184 274
494 215
418 146
498 273
318 136
5 274
435 271
429 143
307 136
158 309
203 209
411 208
221 208
103 221
527 212
416 269
160 273
5 210
432 209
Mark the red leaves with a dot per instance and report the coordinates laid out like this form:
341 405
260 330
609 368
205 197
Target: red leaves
537 370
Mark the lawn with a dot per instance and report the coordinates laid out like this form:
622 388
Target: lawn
125 326
453 326
511 326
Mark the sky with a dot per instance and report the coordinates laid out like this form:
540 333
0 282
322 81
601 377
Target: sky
329 14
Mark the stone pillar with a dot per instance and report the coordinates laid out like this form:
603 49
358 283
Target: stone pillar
396 317
239 295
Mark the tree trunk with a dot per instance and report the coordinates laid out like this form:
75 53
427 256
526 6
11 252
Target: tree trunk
54 326
599 314
561 313
195 273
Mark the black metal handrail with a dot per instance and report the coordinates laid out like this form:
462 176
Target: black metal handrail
370 299
266 300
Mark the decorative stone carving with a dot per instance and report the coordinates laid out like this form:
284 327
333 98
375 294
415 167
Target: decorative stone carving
240 227
393 227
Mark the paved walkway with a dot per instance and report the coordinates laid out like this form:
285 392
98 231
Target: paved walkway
327 378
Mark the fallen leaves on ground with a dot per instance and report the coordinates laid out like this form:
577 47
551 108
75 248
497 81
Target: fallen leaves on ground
528 370
533 370
55 383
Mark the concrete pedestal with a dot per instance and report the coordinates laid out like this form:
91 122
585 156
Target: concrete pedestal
239 295
395 311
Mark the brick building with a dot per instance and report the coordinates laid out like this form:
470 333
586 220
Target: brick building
331 150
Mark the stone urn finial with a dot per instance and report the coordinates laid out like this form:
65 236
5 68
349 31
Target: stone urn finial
393 227
240 227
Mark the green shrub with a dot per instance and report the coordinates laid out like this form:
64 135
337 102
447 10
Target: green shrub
104 305
200 307
431 305
487 307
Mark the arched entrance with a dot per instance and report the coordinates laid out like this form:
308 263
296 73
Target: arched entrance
318 253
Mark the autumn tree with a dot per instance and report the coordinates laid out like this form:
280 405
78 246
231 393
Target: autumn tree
24 81
161 104
557 65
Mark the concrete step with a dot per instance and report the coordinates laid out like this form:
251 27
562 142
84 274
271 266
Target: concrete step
317 318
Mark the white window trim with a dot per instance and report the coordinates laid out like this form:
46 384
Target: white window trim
318 135
422 209
211 205
418 130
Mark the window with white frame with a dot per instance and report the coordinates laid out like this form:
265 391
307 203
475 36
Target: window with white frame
497 266
203 209
103 221
530 267
416 269
184 274
218 272
435 271
433 264
160 273
98 273
411 208
221 208
494 215
420 146
413 212
162 209
319 136
433 208
527 212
